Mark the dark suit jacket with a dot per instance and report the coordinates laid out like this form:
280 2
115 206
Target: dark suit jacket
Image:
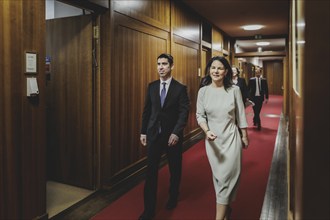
172 117
252 88
243 87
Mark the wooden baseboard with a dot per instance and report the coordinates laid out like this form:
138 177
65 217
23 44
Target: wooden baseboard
42 217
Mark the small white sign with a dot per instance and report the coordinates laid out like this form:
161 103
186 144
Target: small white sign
31 87
30 62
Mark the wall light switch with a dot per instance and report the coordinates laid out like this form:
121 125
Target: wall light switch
31 87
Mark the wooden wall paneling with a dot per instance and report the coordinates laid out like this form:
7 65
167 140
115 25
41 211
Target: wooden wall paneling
155 13
137 46
217 42
286 85
278 77
273 72
291 118
206 56
97 134
33 115
70 101
206 31
11 97
106 39
22 120
268 73
186 59
123 20
313 68
216 53
185 22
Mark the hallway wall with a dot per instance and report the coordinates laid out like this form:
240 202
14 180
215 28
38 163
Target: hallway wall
133 36
22 119
309 110
131 39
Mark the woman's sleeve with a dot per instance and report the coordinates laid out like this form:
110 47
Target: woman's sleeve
240 110
200 108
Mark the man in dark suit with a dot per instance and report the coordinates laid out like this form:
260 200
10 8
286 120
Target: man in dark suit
258 89
164 117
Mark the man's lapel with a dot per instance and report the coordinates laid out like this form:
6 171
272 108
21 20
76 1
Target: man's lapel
156 94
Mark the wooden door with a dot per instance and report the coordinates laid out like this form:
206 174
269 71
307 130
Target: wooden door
274 73
206 56
69 46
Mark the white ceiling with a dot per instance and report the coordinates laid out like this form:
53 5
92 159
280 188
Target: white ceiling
231 15
277 44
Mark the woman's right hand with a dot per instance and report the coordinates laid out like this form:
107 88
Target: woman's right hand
210 136
245 142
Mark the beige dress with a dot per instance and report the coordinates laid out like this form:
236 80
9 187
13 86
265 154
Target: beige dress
220 109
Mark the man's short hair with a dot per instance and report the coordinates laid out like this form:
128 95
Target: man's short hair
167 56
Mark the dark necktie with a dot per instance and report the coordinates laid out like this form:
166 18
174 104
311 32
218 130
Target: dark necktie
163 94
258 84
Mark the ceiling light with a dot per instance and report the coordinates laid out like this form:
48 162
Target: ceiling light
262 43
301 24
252 27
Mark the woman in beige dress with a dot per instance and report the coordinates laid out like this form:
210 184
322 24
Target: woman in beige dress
220 112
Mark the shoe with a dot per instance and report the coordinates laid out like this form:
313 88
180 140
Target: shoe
259 127
228 214
254 124
142 217
171 203
145 217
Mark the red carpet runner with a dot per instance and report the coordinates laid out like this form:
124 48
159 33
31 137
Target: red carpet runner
197 198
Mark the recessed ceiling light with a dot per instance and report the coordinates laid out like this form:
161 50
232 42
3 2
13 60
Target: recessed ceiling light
262 43
301 24
300 42
252 27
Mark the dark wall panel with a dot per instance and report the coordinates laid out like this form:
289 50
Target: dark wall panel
70 101
134 59
273 71
186 55
22 120
185 22
155 13
135 43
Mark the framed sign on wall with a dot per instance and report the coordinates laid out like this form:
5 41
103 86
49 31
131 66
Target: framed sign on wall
31 59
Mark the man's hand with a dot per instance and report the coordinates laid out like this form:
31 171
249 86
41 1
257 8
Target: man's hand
143 139
173 140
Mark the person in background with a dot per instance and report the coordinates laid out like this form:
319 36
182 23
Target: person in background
220 113
258 91
240 82
164 117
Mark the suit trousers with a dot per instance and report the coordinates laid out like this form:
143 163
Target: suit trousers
258 100
174 156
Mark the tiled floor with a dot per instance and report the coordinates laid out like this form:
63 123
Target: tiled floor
61 197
